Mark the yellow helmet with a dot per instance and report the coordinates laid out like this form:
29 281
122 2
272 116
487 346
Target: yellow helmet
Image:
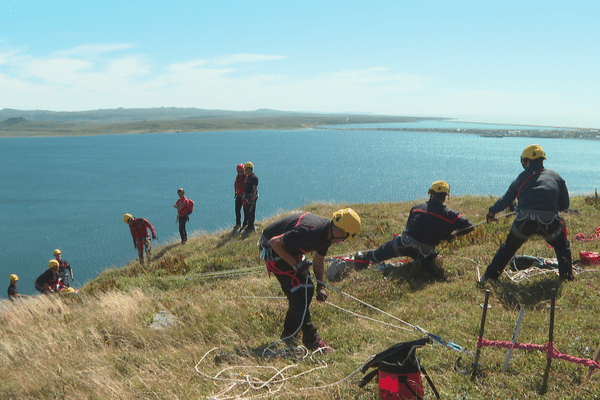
533 152
440 187
14 278
348 221
248 165
127 218
53 264
57 252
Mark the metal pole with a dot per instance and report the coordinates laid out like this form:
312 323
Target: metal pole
544 386
513 340
481 329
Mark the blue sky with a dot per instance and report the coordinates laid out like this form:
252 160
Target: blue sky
509 59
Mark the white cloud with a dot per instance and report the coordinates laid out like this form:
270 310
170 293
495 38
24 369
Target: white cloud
78 79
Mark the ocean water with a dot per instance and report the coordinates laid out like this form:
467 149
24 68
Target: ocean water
71 192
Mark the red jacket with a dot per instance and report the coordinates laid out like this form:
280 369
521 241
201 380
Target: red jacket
139 229
239 184
186 209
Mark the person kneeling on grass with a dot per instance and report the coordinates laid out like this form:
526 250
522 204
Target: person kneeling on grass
428 224
283 245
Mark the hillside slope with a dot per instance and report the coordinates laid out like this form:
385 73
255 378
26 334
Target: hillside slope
99 345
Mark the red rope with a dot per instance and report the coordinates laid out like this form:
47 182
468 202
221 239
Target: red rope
271 267
547 348
584 237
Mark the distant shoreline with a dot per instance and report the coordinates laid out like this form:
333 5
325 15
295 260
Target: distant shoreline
111 122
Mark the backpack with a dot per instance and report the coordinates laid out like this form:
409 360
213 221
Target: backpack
190 206
399 372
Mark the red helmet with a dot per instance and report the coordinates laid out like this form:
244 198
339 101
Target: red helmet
240 167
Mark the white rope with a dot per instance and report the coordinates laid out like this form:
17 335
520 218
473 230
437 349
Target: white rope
414 327
248 384
368 318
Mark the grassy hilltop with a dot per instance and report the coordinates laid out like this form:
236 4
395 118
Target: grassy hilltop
99 344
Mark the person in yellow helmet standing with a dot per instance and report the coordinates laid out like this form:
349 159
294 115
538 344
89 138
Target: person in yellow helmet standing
428 224
541 194
283 244
250 197
13 291
141 238
47 282
63 267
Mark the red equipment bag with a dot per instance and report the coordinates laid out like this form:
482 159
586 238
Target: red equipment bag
399 372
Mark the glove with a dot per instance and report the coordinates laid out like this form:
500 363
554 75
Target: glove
490 217
154 237
321 293
302 266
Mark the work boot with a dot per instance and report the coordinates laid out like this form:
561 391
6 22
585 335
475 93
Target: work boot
567 276
319 344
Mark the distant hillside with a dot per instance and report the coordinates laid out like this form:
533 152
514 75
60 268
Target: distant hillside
122 115
16 123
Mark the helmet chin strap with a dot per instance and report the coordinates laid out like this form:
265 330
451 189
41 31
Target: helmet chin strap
332 235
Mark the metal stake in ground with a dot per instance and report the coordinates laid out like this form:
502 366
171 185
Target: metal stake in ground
544 386
481 329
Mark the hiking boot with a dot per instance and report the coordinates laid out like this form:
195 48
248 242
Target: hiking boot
567 277
289 339
360 261
319 344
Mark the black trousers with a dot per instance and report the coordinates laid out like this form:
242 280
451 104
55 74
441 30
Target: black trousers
239 203
182 230
555 235
394 248
249 211
299 299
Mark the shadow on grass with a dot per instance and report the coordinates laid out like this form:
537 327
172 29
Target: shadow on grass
414 273
532 294
228 237
157 254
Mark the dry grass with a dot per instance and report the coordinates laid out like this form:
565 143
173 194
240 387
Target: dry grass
98 345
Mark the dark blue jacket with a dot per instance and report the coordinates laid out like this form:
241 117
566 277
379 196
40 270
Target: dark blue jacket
536 188
431 222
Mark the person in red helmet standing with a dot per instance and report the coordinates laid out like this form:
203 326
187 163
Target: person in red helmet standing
139 233
238 187
184 208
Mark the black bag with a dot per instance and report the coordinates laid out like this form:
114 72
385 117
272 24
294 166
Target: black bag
399 372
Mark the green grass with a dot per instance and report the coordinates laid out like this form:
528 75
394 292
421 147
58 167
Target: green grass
98 345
